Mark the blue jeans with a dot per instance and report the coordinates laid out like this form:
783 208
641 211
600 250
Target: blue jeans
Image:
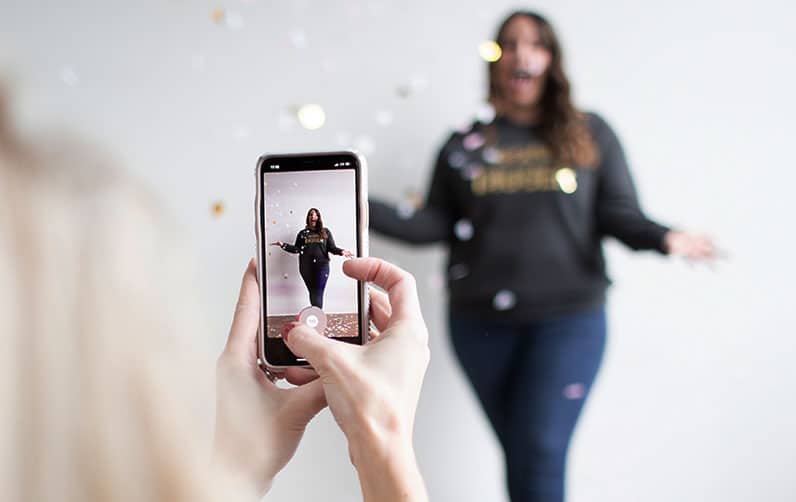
315 276
532 380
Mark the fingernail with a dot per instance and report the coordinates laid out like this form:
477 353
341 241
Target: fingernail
286 329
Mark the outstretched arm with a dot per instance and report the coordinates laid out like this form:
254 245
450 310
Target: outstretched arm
291 248
332 247
427 225
619 213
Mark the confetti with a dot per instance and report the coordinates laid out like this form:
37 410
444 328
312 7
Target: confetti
485 113
458 271
567 180
218 15
69 77
491 155
418 84
284 276
574 391
403 91
473 171
406 209
490 51
473 141
384 118
298 39
463 229
217 209
457 159
504 300
365 144
464 128
415 85
311 116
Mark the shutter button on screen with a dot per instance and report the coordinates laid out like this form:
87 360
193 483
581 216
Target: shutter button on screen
314 318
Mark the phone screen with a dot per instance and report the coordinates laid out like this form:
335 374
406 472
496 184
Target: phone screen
309 223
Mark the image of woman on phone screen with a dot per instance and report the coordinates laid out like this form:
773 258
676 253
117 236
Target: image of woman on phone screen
313 245
523 202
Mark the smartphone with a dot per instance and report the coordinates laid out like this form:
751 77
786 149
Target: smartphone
311 215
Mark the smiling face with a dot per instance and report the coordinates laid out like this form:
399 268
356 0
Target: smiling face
519 76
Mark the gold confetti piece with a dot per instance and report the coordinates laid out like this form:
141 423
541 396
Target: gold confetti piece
490 51
218 15
311 116
567 180
273 222
217 209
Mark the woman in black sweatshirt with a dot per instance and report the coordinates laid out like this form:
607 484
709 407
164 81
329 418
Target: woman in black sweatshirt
313 245
523 203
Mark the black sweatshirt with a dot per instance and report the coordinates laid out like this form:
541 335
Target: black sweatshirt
312 247
524 231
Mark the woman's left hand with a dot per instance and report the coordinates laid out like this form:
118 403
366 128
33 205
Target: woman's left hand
258 425
690 245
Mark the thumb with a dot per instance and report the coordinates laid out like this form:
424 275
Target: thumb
318 350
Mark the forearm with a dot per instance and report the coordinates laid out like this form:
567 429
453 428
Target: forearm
634 229
424 226
388 471
290 248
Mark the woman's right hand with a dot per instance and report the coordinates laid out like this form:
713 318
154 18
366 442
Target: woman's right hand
373 390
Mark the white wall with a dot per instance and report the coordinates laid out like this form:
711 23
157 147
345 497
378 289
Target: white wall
695 401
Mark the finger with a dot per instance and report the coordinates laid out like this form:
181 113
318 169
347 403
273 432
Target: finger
306 401
247 314
321 352
399 284
380 310
300 376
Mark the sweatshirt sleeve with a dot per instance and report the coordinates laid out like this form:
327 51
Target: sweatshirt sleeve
619 213
294 248
330 245
429 224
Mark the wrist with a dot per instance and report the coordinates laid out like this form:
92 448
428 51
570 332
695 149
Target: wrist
238 479
668 241
387 467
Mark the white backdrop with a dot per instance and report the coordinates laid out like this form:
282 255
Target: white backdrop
695 401
288 197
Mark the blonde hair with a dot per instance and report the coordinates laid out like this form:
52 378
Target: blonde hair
98 340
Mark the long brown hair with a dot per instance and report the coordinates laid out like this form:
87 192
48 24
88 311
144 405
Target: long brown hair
562 126
319 226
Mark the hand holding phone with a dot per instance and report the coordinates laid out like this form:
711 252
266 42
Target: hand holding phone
373 390
258 425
